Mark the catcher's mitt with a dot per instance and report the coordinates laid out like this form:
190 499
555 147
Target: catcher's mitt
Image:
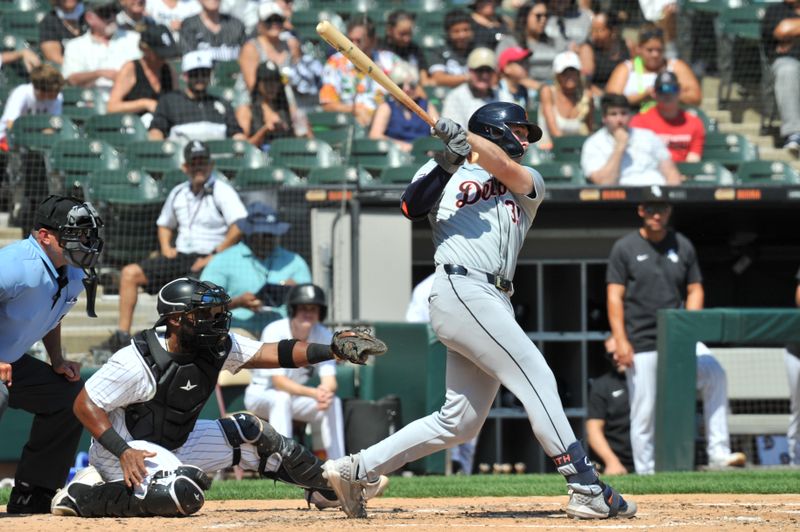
356 345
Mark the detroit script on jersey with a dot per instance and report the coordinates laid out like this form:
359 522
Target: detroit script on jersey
474 191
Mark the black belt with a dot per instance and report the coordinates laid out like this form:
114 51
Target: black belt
501 284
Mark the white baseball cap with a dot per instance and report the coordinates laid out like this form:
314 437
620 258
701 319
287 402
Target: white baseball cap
197 59
270 9
566 60
480 58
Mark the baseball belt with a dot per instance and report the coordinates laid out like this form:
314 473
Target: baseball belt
500 283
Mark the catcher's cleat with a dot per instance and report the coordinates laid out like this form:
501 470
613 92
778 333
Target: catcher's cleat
341 475
63 502
322 501
597 501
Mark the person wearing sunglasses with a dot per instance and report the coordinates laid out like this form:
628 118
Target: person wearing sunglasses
210 30
271 43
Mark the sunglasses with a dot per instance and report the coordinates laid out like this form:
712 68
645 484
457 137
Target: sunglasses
656 208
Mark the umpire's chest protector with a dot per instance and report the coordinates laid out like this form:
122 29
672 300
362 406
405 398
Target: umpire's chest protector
183 385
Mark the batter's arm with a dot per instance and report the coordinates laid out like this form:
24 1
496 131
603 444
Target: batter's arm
422 194
495 161
695 296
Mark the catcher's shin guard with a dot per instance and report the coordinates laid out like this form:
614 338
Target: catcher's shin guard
281 458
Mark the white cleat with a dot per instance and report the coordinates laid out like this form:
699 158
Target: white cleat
63 503
371 490
341 475
597 501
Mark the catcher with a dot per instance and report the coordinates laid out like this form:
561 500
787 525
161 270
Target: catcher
142 407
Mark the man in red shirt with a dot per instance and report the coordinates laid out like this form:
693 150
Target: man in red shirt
682 132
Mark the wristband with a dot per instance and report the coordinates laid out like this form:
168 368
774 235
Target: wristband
285 358
113 442
316 353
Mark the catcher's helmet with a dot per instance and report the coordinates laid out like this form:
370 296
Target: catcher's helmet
186 294
492 120
306 294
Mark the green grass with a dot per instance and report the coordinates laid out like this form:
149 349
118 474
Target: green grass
748 481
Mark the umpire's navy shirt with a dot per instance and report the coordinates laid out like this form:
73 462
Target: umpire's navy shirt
28 282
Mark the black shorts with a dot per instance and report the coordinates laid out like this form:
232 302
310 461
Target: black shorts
161 270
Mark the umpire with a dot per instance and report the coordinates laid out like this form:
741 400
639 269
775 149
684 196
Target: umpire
40 281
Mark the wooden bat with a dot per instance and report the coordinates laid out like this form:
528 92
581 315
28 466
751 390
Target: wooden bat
361 61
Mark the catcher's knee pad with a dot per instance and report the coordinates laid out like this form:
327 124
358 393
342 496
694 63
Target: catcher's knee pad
173 495
193 473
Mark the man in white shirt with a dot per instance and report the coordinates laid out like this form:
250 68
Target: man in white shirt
42 96
203 211
480 89
620 155
93 59
281 395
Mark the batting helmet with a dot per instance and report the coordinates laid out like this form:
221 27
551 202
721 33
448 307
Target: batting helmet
492 120
306 294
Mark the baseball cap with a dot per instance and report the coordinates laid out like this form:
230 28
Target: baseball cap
196 60
159 39
52 212
261 218
268 71
481 58
654 194
512 55
103 8
195 149
667 83
270 9
566 60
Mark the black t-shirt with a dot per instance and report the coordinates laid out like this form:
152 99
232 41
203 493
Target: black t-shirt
411 54
795 348
52 28
609 401
773 16
489 37
655 276
224 44
207 117
605 61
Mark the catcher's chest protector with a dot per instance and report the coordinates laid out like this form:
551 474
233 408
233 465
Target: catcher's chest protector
182 388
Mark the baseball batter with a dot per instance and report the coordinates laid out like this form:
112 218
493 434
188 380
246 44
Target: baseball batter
480 215
142 408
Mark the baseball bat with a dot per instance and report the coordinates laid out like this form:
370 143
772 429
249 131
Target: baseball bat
361 61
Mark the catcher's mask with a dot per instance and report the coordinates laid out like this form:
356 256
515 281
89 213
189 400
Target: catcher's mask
203 309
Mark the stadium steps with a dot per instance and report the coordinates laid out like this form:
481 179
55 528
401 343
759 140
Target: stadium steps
8 234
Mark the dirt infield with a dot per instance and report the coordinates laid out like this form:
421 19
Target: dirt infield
680 512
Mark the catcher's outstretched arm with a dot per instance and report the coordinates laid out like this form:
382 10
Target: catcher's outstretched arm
354 346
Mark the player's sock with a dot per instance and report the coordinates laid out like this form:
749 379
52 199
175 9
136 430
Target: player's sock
575 465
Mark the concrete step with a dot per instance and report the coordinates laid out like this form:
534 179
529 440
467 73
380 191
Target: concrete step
8 234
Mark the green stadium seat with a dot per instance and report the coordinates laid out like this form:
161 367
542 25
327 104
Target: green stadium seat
339 176
13 74
123 187
305 22
170 179
231 156
729 149
73 160
567 149
41 132
707 173
11 6
302 155
154 156
233 96
340 139
767 173
535 156
709 123
560 173
423 148
80 104
118 129
714 7
226 73
327 120
430 41
375 155
23 24
262 178
436 95
398 175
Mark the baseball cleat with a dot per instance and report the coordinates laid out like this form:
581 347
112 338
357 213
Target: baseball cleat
322 500
728 460
341 475
597 501
63 504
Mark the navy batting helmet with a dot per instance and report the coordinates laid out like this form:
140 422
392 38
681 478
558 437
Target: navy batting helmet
306 294
492 120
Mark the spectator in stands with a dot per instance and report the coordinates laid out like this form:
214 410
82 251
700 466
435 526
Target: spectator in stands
635 78
487 24
566 107
271 43
650 269
608 419
780 33
569 22
270 115
449 67
608 47
94 58
64 22
172 13
28 57
132 15
257 272
140 83
515 85
345 89
198 216
620 155
529 33
283 395
792 360
682 132
221 34
664 15
193 113
400 27
39 97
393 120
479 90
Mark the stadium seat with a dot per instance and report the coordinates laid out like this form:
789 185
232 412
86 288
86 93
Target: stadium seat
305 22
567 149
767 173
13 74
123 186
226 73
423 148
340 139
231 156
260 178
339 175
706 173
729 149
302 155
10 6
709 123
230 95
740 27
23 24
73 160
118 129
327 120
398 175
375 155
535 156
154 156
41 132
436 95
81 103
560 173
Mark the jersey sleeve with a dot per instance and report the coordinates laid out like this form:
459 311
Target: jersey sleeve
617 271
121 381
15 104
592 156
327 368
167 217
698 140
242 350
161 121
229 203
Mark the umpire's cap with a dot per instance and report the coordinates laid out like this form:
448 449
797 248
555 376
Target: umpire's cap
307 294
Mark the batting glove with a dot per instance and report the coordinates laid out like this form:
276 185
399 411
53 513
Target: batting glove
446 129
454 154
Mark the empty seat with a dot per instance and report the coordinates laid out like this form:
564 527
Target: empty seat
302 155
706 173
81 103
41 132
226 73
154 156
560 173
729 149
567 149
230 156
118 129
23 24
423 148
398 175
73 160
375 155
767 173
339 175
269 177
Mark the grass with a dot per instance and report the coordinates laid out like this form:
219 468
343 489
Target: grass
747 481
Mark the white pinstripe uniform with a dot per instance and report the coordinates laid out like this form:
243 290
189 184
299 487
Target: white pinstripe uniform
125 380
478 224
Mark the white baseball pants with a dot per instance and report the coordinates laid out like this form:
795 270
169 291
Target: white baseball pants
280 408
793 434
713 387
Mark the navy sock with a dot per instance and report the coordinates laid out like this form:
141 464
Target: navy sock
575 465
